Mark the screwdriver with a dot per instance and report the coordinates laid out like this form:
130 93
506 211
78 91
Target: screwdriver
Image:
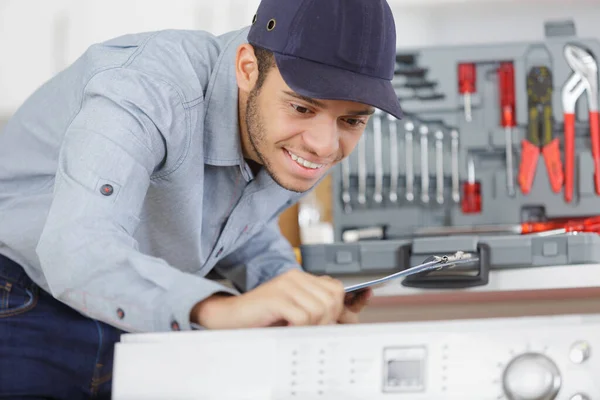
467 82
591 224
506 78
471 199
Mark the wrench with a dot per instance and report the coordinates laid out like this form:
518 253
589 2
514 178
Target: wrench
455 177
362 171
378 157
439 165
409 127
424 131
393 158
583 79
346 185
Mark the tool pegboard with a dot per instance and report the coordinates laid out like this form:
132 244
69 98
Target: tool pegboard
465 152
492 134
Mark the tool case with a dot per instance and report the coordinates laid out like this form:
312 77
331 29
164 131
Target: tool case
482 142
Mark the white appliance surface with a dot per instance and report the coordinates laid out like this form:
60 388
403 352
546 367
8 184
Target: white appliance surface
525 358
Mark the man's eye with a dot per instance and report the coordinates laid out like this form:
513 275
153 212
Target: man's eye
354 121
300 109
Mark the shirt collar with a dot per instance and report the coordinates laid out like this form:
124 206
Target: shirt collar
222 144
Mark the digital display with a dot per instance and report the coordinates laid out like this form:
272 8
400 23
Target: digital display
404 369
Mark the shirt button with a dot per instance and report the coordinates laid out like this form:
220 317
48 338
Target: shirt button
106 189
120 313
219 252
175 326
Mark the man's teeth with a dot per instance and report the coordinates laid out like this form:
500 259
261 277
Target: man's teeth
305 163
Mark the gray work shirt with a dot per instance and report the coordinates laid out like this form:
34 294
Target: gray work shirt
122 183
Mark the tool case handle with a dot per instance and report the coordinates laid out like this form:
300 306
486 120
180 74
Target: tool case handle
428 280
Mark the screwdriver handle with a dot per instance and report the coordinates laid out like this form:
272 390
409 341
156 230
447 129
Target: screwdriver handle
554 167
506 76
529 159
595 139
467 78
569 155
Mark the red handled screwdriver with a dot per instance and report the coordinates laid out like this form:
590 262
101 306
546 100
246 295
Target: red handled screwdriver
506 78
467 82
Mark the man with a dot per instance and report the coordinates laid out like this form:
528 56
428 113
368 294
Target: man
157 158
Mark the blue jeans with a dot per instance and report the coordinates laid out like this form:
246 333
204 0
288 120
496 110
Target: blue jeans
47 349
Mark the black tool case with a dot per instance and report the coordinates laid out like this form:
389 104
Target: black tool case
441 167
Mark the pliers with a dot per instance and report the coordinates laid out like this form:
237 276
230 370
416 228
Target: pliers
584 78
540 132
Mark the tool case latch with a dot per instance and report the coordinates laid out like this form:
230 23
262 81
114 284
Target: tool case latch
562 28
449 279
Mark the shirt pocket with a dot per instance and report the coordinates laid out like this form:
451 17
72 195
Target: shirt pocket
16 299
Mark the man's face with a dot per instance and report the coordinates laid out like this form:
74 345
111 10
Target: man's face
296 139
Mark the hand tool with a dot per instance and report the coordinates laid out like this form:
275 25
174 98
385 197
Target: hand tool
393 133
378 157
346 185
439 165
368 233
467 81
424 131
409 128
584 78
455 176
471 199
539 100
362 171
430 264
506 78
591 224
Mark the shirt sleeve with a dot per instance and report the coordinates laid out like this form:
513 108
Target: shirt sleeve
87 249
265 256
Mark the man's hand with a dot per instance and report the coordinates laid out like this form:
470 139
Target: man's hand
354 304
295 298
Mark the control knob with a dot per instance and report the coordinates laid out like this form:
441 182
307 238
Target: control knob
531 376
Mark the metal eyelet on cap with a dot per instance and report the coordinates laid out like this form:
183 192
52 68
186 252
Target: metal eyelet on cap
271 24
254 19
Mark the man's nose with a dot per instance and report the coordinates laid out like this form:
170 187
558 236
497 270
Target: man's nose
323 139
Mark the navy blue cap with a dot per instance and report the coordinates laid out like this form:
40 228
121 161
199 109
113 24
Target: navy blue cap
332 49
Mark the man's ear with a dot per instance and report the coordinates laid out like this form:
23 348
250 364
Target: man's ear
246 67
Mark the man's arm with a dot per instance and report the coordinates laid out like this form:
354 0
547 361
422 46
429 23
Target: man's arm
265 256
87 250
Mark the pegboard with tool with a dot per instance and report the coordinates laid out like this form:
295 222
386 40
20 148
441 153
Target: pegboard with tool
494 139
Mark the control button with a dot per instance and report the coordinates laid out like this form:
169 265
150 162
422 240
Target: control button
531 376
580 352
106 189
580 396
120 313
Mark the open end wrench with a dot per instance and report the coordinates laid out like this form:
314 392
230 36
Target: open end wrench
409 128
378 157
439 166
424 131
455 176
585 77
393 132
362 171
346 185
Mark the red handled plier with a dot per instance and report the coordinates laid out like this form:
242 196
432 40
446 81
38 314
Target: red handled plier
584 78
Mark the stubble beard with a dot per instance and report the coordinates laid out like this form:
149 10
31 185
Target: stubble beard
257 137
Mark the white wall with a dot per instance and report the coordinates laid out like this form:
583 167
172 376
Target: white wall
40 37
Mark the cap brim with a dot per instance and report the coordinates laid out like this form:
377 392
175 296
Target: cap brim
320 81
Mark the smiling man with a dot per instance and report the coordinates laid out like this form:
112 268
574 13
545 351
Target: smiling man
158 158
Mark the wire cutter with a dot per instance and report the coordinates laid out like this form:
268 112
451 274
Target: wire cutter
540 132
584 78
